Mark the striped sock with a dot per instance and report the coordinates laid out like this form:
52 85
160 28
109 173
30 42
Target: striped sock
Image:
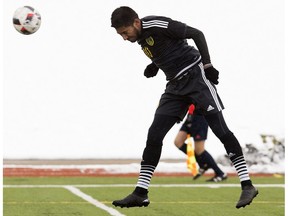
145 176
241 168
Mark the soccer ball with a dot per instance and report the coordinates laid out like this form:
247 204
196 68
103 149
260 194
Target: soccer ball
26 20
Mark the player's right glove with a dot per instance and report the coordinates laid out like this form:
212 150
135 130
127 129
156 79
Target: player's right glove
151 70
212 74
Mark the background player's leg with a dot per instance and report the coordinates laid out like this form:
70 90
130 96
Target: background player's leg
180 141
203 157
206 161
199 149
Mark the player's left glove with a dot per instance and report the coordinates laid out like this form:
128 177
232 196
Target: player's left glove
151 70
212 74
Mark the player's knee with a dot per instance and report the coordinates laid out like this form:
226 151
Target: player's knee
199 147
177 142
155 135
154 139
180 139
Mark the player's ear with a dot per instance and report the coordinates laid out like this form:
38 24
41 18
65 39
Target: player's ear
137 23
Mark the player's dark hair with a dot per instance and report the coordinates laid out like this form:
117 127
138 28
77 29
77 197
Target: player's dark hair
123 16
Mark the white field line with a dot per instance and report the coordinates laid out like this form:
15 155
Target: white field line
93 201
152 185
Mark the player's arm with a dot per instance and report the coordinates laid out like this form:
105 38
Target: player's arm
200 41
198 37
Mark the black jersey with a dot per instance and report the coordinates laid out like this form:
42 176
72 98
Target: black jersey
163 40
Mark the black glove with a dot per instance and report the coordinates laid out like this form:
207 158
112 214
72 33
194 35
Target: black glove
151 70
212 74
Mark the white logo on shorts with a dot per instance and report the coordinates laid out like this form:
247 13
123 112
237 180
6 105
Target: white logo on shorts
210 108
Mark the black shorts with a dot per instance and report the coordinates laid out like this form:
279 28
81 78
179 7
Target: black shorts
191 88
198 128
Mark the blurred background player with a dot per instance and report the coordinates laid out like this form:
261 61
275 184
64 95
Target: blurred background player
197 127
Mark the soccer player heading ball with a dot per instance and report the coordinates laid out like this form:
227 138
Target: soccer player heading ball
191 80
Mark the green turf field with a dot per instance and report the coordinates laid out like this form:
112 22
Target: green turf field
175 196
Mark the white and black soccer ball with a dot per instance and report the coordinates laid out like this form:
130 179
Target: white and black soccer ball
26 20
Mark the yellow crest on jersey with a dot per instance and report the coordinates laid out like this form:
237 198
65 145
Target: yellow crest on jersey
150 41
147 52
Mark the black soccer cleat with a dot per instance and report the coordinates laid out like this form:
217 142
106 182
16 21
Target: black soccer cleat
247 195
218 178
201 171
132 200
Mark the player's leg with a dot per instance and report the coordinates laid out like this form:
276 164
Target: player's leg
199 149
182 146
217 124
204 157
202 161
199 146
150 158
152 152
170 110
206 161
199 131
180 141
209 101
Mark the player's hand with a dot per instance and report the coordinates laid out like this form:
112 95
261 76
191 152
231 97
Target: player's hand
151 70
212 74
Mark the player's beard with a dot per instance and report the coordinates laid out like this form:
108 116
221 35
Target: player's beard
136 36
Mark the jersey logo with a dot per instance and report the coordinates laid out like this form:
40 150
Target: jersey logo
210 108
150 41
147 52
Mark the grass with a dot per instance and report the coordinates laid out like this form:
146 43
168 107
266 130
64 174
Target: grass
166 201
